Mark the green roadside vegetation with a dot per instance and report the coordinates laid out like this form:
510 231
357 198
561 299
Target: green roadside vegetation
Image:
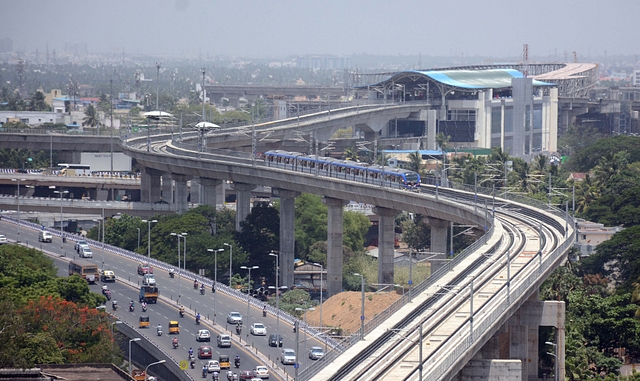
46 319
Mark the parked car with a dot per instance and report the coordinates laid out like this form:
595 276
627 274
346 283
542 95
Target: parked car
107 276
288 356
203 335
3 239
205 352
316 353
144 268
149 280
258 329
234 318
261 371
224 341
275 340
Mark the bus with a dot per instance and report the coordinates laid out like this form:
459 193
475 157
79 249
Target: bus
87 270
74 169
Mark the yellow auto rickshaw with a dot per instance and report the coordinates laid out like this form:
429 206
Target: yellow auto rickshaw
144 321
224 362
174 327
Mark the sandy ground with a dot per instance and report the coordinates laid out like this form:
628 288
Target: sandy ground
343 310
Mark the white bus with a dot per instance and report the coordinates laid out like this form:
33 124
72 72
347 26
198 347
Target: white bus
74 169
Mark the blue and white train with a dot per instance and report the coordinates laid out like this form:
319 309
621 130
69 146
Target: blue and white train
343 169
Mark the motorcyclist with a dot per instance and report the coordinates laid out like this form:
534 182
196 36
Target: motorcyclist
202 289
213 287
190 352
195 284
114 305
131 305
108 294
144 306
264 311
171 273
198 318
230 375
238 328
104 289
216 375
181 311
175 342
204 371
159 329
237 361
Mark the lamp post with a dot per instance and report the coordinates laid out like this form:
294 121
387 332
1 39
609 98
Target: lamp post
113 324
361 316
277 256
304 319
555 359
248 268
138 237
131 365
149 237
18 201
61 218
179 272
184 251
230 262
152 364
321 326
215 278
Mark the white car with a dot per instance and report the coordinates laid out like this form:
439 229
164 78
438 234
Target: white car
203 335
288 356
213 366
258 329
316 353
234 318
261 371
3 239
149 280
85 252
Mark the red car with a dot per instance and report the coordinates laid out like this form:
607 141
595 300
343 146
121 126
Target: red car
145 268
246 375
205 352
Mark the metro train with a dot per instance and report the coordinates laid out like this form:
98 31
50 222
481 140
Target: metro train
343 169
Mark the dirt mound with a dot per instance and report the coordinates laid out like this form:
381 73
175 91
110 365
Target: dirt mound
343 310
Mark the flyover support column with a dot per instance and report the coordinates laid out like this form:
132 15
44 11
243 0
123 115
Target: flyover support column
243 201
150 185
438 235
167 187
386 235
208 194
334 245
195 191
287 234
181 193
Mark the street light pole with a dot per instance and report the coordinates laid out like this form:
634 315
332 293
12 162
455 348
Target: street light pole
61 218
321 327
138 237
277 255
555 361
361 316
249 268
153 363
304 319
230 262
18 201
130 364
215 278
179 272
149 237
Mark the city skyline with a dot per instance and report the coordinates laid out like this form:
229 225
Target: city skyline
331 27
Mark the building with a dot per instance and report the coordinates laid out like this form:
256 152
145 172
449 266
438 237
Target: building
591 234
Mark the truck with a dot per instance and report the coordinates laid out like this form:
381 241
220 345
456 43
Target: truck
149 294
101 161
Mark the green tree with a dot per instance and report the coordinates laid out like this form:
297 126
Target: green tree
260 234
415 162
91 117
38 103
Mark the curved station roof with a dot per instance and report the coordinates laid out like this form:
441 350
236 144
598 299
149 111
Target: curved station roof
463 79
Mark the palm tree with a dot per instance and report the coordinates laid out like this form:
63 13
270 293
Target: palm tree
415 162
37 102
586 193
91 117
351 154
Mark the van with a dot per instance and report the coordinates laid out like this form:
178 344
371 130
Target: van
45 236
224 341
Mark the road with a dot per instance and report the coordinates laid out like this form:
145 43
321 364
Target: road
163 311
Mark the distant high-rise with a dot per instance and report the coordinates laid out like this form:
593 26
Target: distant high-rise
6 45
323 62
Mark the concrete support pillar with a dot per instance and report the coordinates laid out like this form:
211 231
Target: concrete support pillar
386 235
208 191
181 193
287 234
167 187
334 245
438 235
150 185
243 201
195 191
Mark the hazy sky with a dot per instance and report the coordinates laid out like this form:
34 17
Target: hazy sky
289 27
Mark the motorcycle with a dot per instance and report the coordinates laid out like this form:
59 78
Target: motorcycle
171 273
197 320
202 290
159 331
195 284
114 305
204 372
238 329
237 363
175 343
216 377
181 313
131 308
144 308
264 313
108 294
193 363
